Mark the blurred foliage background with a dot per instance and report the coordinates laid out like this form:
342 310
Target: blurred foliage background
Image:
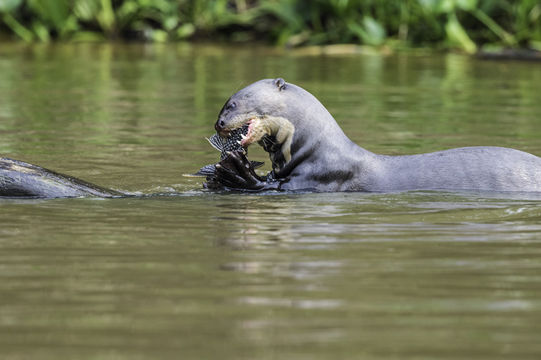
463 24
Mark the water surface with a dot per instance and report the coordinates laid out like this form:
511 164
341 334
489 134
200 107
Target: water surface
196 275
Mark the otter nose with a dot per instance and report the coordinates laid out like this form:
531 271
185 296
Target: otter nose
219 126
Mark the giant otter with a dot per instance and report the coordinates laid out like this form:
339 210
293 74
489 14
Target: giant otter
309 151
21 179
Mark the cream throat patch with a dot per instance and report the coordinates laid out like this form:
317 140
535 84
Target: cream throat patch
280 128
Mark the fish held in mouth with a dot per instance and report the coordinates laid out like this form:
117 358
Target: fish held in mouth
235 141
258 129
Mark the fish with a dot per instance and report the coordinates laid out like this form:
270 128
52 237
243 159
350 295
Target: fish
226 145
230 143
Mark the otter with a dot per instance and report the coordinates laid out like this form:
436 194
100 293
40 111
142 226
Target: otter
309 151
21 179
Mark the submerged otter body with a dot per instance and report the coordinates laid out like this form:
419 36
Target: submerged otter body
20 179
470 168
317 155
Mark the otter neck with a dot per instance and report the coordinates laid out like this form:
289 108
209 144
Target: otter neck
317 131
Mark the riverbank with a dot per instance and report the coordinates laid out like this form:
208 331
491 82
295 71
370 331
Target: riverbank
467 25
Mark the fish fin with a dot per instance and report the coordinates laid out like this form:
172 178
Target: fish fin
210 169
204 171
216 141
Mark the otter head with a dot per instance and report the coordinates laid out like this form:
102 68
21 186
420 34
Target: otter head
262 106
288 121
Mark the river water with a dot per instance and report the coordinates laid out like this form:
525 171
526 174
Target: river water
189 274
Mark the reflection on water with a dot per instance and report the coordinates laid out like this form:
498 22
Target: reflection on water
193 274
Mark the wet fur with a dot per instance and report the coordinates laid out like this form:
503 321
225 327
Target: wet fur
323 158
18 178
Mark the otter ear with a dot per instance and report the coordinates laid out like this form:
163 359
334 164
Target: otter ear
280 84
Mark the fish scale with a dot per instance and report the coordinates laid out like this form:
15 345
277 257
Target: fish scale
231 143
226 145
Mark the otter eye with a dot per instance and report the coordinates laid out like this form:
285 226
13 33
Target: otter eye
231 106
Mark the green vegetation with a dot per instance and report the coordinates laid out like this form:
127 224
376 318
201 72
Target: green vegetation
465 24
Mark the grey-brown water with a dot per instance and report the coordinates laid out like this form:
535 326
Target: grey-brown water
196 275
